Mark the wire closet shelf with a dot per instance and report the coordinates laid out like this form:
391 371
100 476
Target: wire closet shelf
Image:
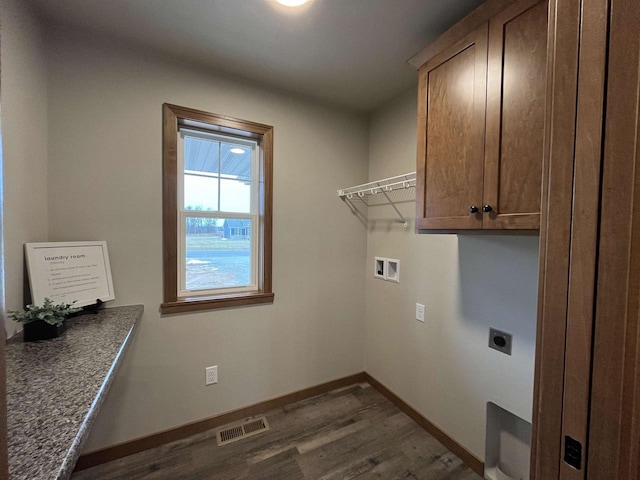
390 190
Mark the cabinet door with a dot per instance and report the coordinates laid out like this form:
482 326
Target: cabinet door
516 80
451 119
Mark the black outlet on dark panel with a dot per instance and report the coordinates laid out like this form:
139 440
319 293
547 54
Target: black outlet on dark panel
573 452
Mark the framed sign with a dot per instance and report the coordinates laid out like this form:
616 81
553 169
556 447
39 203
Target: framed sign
69 271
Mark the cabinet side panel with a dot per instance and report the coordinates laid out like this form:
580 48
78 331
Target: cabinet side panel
584 229
614 429
421 147
555 237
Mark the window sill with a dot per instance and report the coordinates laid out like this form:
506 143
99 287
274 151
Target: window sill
193 304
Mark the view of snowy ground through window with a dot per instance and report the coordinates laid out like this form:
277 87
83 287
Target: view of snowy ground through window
217 262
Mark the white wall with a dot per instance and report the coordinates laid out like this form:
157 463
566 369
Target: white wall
101 131
24 134
443 367
105 119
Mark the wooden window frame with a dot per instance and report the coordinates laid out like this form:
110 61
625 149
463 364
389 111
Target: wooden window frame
175 117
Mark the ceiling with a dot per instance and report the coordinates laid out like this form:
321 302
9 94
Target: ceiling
350 53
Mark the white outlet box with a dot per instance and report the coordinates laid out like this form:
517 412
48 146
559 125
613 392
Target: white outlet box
393 270
420 312
211 375
386 269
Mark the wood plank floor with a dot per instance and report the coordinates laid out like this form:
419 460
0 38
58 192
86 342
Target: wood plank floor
349 433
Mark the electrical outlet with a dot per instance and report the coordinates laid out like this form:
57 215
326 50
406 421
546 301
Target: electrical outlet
420 312
211 375
500 341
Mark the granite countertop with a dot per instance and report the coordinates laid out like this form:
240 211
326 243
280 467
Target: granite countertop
55 388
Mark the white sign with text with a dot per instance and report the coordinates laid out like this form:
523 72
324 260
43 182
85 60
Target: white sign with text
69 271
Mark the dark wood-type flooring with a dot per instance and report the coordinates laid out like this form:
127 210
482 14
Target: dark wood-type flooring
349 433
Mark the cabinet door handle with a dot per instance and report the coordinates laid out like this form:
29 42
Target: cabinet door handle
487 208
473 209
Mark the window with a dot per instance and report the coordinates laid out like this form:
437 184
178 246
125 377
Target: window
217 202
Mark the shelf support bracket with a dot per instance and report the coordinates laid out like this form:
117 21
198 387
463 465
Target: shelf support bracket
404 221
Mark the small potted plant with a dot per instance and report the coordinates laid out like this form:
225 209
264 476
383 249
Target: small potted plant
47 321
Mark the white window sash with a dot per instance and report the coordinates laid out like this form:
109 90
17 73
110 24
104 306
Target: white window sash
183 292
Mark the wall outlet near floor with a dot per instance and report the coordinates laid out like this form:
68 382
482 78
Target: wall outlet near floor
420 312
211 375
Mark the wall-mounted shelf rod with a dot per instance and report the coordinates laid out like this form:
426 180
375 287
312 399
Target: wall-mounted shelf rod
380 187
390 184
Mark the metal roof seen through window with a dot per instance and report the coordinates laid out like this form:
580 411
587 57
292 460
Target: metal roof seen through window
202 155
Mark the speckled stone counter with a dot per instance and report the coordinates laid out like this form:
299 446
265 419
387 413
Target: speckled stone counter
55 388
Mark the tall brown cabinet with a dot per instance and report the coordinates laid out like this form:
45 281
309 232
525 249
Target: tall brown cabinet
528 118
588 351
614 413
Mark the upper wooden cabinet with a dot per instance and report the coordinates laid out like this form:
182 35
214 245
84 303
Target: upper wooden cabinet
481 126
452 92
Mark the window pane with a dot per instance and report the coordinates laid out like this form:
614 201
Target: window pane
235 183
200 154
235 196
218 253
201 161
200 193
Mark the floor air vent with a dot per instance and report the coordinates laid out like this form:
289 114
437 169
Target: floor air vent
244 430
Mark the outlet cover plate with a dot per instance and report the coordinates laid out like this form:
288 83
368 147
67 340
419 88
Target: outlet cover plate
211 375
500 341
